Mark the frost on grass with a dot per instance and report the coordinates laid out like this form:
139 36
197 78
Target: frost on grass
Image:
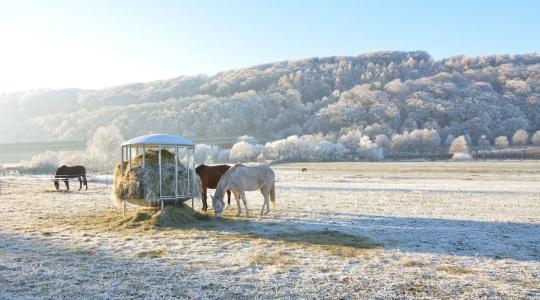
342 230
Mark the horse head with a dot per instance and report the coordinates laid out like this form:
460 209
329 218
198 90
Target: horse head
218 205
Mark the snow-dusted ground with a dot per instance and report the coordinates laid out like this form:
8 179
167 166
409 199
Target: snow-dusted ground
460 230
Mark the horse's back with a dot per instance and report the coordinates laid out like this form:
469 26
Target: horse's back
259 174
74 171
210 175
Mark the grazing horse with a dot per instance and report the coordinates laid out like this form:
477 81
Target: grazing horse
304 170
241 178
210 176
64 173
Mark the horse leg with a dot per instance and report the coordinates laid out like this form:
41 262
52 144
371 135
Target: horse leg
66 182
265 203
85 182
228 198
80 182
243 195
204 202
237 198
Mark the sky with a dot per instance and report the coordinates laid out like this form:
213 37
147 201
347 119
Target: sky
95 44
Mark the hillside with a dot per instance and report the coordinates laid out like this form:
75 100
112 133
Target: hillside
374 93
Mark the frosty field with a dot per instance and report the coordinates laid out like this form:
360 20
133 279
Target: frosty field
341 230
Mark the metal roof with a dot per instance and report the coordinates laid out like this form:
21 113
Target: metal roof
159 139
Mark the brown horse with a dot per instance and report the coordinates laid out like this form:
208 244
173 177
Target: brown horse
64 173
210 176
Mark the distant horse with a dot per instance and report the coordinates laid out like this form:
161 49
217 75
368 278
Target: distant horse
210 176
241 178
304 170
64 173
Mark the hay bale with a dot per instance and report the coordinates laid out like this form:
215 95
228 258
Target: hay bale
140 185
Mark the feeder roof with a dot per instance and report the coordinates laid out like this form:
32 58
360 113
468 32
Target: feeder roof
159 139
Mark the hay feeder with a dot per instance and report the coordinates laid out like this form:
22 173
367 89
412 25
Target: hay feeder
156 169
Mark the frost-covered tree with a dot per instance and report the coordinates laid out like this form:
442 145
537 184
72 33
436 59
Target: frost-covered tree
398 94
368 150
418 140
244 152
459 145
448 140
206 154
520 137
382 141
103 148
501 142
535 139
483 141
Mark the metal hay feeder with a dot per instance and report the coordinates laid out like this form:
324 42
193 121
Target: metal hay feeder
184 153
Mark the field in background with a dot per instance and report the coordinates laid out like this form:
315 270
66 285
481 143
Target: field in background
340 230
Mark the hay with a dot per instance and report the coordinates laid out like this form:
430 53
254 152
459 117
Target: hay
140 186
169 216
144 218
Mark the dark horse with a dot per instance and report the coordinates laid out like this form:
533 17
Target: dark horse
210 176
64 173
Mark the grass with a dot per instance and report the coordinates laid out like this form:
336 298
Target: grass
157 253
435 169
336 242
333 242
416 289
413 263
280 258
234 229
456 270
444 268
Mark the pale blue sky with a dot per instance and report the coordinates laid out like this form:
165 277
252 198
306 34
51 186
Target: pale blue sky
92 44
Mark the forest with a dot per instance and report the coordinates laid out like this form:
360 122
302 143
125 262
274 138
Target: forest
331 108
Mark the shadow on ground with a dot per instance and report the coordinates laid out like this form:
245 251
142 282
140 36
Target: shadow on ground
497 240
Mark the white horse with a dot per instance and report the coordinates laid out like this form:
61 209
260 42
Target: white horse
241 178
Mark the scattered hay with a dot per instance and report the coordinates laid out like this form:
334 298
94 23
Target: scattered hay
140 219
172 216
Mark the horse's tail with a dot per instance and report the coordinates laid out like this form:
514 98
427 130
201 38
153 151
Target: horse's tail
273 196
